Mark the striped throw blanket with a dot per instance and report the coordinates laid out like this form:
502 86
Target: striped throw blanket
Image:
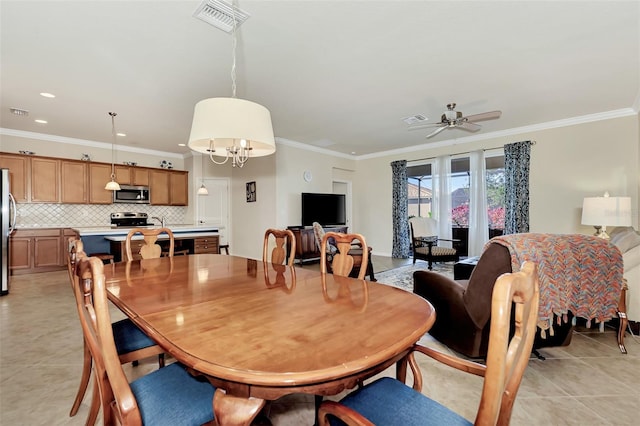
577 273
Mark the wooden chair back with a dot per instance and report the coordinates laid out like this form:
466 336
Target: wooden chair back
279 252
74 246
342 262
150 249
508 358
96 326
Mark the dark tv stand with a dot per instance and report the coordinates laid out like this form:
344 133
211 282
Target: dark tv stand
306 249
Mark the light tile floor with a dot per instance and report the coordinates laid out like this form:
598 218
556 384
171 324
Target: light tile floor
586 383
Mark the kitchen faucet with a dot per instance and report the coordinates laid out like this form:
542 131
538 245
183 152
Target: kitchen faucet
161 220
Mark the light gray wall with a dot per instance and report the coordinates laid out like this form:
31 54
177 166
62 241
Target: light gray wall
567 164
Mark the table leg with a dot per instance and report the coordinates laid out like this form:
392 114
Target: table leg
622 315
232 410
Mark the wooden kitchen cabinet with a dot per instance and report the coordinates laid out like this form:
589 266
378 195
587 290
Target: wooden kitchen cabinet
99 175
178 188
45 180
159 187
56 180
74 182
20 252
206 245
36 250
123 175
139 176
18 166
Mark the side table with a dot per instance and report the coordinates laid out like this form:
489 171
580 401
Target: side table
462 270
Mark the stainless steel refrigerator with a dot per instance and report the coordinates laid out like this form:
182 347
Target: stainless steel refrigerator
7 225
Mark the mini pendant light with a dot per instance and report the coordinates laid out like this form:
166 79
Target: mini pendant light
113 185
203 189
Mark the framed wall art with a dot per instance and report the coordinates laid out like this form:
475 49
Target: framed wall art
251 192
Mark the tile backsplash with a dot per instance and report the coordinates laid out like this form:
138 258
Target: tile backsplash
33 215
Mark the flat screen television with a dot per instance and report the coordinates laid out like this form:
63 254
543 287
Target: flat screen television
326 209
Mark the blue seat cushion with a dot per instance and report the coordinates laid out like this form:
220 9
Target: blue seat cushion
129 337
171 396
389 402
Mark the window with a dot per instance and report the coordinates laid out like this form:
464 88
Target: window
420 190
460 184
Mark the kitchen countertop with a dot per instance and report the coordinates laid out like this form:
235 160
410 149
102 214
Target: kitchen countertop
164 236
108 231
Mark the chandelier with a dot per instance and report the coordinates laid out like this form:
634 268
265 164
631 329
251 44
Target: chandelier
231 128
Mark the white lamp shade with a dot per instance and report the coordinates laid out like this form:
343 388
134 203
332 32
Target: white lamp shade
227 121
112 186
606 211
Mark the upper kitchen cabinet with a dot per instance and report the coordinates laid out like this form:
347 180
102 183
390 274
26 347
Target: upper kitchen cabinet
45 180
74 182
99 175
18 166
159 187
139 176
179 188
169 187
132 175
123 175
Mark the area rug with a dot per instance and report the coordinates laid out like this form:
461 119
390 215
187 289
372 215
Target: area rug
402 277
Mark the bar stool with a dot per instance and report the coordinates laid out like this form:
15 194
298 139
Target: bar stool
224 247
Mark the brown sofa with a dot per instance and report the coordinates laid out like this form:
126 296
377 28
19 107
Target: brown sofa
463 307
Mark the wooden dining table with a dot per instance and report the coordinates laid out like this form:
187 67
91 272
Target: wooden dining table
259 331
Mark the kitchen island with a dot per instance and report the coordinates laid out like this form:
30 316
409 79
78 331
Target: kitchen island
106 239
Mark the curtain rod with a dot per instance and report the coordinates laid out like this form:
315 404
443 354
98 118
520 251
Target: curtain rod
459 153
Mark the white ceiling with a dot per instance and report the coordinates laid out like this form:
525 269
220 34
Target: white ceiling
337 74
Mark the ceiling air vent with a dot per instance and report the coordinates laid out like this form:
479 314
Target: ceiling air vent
220 14
414 119
18 111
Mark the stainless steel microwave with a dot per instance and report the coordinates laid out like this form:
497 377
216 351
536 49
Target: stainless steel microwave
132 194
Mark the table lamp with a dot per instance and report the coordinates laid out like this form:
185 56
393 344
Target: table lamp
603 211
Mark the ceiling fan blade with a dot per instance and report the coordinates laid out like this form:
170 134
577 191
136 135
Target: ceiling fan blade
472 127
490 115
435 132
425 126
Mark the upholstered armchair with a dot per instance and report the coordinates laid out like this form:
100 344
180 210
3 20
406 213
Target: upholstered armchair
463 307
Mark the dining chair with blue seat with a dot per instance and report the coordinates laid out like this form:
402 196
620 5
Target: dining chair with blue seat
389 402
131 343
167 396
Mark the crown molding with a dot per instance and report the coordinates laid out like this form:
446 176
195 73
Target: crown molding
84 142
608 115
294 144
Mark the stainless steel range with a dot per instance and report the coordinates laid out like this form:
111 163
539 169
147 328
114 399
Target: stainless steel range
128 219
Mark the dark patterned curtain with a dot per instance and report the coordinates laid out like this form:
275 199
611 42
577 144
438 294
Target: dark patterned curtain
400 210
516 170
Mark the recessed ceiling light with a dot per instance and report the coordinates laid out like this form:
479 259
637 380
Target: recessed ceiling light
182 144
121 134
41 121
47 95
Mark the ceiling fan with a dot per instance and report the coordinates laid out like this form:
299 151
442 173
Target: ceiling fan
451 119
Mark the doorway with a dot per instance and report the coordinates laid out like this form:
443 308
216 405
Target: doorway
344 187
213 209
